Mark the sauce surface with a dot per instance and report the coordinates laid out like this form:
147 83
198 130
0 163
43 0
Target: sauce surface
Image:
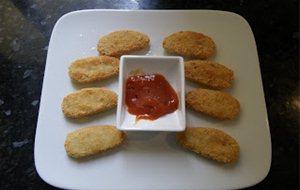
150 96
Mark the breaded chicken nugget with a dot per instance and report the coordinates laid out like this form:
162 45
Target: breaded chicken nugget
92 69
209 73
214 103
122 42
190 44
93 140
210 143
88 101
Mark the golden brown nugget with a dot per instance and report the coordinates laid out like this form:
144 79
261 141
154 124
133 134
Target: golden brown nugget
209 73
122 42
213 102
93 140
190 44
211 143
88 101
92 69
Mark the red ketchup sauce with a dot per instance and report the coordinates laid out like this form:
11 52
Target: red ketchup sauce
150 96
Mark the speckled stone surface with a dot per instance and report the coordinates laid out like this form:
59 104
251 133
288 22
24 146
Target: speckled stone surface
25 29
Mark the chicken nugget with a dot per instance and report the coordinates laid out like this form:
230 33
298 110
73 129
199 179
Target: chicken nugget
122 42
190 44
93 140
214 103
92 69
88 101
211 143
209 73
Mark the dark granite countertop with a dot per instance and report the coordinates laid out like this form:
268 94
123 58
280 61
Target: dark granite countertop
25 29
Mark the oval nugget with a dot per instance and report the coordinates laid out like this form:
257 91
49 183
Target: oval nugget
122 42
214 103
211 143
190 44
88 101
209 73
92 140
92 69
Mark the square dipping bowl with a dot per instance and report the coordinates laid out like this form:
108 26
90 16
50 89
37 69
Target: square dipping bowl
172 68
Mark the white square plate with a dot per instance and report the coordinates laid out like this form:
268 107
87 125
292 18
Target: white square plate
152 160
171 67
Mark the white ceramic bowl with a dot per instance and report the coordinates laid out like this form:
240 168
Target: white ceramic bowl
172 68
